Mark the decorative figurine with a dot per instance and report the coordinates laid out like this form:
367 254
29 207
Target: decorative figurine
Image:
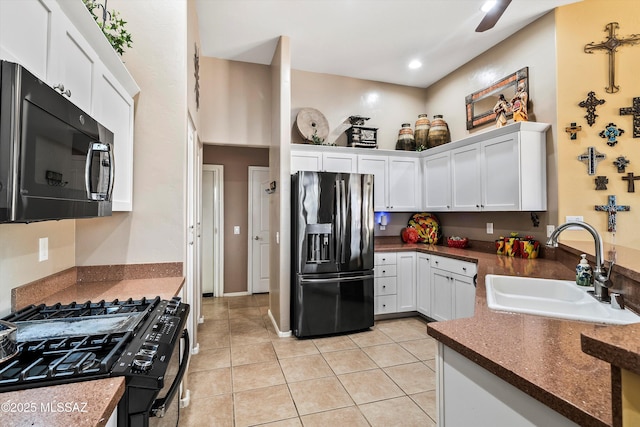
612 209
535 219
631 179
573 130
590 104
621 163
611 133
634 111
591 158
611 45
519 104
501 109
601 182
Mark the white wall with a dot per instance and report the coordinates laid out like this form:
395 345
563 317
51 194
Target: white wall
19 254
387 105
154 231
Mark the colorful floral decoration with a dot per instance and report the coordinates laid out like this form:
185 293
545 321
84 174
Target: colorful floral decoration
428 227
611 133
409 235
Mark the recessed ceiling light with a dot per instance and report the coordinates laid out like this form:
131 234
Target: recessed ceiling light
488 5
415 64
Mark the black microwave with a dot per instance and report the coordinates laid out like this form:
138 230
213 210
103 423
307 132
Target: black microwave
56 162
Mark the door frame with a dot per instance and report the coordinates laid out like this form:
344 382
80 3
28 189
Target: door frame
218 228
250 233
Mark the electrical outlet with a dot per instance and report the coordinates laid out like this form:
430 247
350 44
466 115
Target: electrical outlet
43 245
489 228
550 229
236 229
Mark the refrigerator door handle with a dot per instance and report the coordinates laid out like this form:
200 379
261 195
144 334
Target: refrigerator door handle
343 216
337 279
338 220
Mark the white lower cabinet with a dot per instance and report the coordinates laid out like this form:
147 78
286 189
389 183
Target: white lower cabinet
469 395
395 282
423 287
406 280
453 290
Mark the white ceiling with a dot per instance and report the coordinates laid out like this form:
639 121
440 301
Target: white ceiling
365 39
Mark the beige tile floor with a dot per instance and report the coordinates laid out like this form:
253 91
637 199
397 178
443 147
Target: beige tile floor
245 375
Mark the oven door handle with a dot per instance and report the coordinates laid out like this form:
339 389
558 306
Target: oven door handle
159 405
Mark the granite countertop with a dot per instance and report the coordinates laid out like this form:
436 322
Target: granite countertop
541 356
88 403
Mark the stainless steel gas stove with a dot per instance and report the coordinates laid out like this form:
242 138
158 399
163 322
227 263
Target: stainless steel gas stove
138 339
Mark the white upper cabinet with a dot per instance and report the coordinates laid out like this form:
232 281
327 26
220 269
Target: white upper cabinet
437 182
499 170
59 42
303 159
378 166
25 29
404 184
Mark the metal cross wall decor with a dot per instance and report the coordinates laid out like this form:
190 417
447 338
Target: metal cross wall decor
573 130
634 111
621 163
631 187
601 182
591 158
611 133
612 209
590 104
611 46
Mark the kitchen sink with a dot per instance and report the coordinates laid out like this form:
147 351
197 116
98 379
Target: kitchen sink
552 298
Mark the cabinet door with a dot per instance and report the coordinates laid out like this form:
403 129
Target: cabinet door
404 184
501 174
437 182
113 107
75 64
406 281
339 162
465 178
442 295
378 166
464 296
28 45
306 161
423 279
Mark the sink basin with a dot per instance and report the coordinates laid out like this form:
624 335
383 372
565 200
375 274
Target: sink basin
552 298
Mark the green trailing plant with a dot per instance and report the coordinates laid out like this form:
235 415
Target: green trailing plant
111 25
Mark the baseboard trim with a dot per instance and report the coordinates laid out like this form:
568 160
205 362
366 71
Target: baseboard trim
275 326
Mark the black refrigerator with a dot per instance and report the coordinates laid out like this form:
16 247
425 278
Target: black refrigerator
332 253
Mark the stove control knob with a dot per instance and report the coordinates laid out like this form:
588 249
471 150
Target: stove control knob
142 362
148 349
171 308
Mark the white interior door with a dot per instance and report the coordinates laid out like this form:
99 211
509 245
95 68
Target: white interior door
259 230
207 231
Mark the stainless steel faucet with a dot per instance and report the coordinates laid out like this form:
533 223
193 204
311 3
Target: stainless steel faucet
601 282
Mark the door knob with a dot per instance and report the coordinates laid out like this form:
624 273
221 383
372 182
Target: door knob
256 238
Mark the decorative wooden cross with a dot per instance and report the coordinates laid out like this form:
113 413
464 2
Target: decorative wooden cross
611 46
601 182
631 187
573 130
612 209
590 104
634 111
591 158
611 133
621 163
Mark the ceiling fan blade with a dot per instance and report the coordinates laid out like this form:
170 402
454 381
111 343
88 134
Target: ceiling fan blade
490 19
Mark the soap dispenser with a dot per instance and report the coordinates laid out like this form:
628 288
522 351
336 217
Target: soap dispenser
584 274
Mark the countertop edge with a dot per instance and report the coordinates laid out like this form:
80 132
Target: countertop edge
600 344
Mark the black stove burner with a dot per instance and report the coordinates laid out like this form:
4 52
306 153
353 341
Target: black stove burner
58 311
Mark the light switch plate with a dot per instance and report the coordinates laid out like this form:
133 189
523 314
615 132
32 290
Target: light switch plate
236 229
550 229
489 228
572 218
43 245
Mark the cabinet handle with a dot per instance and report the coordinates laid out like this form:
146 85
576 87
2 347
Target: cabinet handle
384 286
477 206
384 305
60 87
436 262
384 271
464 268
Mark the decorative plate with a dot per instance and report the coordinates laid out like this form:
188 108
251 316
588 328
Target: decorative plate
428 227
